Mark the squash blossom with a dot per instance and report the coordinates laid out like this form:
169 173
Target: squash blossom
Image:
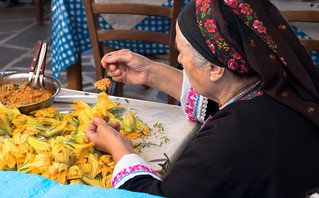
54 145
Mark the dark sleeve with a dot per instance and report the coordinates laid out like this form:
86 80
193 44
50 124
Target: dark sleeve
198 172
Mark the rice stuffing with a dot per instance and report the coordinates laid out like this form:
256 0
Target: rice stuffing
13 94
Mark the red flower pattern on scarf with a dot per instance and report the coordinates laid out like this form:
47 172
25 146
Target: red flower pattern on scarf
232 3
259 26
198 2
232 64
225 53
244 68
237 55
205 5
209 24
211 46
245 8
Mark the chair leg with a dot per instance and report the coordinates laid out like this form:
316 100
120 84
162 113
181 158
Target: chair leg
120 89
74 75
170 100
39 11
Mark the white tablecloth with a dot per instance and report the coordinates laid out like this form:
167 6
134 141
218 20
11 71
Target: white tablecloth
127 21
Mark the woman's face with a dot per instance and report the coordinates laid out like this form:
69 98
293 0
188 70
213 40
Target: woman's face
198 75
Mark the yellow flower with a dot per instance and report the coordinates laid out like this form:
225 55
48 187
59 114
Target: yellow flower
41 162
85 116
40 145
74 172
5 127
61 153
49 112
92 182
9 146
79 106
57 172
9 112
95 168
106 181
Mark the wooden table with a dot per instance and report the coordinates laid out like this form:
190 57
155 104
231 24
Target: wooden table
176 127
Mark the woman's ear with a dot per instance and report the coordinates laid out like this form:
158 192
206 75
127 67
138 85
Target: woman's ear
216 72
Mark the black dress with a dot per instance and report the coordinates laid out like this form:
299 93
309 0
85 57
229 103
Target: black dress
254 148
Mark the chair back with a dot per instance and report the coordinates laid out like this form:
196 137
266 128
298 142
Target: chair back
311 16
99 35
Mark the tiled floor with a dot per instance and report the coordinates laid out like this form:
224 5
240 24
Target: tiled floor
19 33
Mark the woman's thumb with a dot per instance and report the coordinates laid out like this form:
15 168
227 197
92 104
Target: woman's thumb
99 121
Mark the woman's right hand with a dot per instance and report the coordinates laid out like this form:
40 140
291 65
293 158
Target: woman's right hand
127 67
107 138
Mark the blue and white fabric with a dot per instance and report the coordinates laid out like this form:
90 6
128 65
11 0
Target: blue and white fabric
70 33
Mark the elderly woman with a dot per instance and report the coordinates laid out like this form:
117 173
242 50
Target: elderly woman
263 141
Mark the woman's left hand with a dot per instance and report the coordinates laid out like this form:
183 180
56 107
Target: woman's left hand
108 139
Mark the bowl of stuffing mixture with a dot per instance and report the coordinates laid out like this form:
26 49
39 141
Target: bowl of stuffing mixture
16 90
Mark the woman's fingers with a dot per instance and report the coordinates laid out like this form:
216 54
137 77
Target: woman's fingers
115 57
106 119
111 67
99 121
91 132
92 126
108 139
116 126
113 70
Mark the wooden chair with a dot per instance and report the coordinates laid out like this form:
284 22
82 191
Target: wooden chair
304 16
97 35
39 11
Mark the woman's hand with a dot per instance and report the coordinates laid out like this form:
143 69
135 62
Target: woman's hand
127 67
108 139
131 68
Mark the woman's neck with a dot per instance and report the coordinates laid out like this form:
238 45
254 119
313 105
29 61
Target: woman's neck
241 94
234 87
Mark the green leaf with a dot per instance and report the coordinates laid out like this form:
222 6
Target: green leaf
203 14
249 17
117 112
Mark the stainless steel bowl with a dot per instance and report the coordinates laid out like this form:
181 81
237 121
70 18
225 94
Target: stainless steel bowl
50 83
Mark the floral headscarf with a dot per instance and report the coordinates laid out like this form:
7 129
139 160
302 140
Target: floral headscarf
253 37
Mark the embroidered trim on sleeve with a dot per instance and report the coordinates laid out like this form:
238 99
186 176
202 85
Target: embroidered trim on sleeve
190 108
128 167
201 109
194 105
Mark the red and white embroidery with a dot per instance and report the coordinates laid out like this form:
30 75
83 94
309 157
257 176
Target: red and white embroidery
190 104
132 171
194 105
130 166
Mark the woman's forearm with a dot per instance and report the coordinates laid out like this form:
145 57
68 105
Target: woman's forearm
167 79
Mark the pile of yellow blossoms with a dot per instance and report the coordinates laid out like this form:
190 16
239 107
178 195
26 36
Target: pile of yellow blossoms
54 145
